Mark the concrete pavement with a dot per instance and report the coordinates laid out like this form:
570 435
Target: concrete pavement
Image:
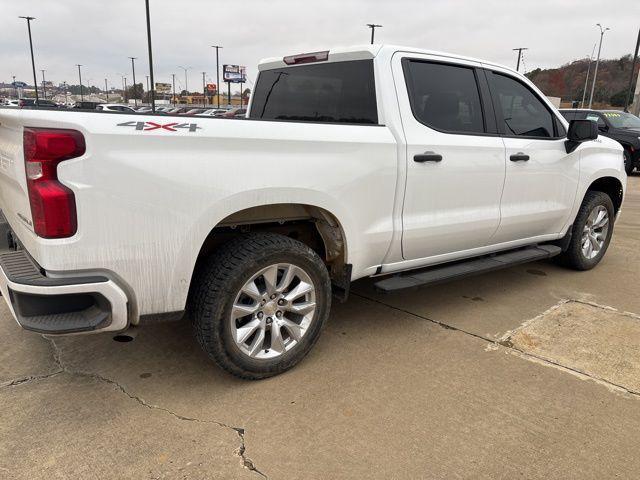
530 372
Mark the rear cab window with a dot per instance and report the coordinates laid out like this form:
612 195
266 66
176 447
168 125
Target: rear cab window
335 92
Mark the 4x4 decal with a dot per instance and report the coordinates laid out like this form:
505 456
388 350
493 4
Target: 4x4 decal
171 127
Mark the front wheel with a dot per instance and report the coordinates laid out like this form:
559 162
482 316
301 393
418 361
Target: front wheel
628 162
591 232
259 304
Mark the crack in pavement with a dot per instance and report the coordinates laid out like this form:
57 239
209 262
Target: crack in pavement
30 378
57 357
506 344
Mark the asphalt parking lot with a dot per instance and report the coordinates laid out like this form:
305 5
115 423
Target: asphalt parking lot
531 372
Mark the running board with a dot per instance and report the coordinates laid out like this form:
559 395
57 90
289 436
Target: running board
473 266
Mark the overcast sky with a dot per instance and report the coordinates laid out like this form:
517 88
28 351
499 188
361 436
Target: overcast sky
102 34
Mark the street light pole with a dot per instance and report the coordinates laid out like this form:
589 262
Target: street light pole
125 90
173 80
15 87
149 98
44 88
33 63
595 72
217 47
519 50
80 78
153 95
106 89
186 85
133 68
204 90
373 27
586 80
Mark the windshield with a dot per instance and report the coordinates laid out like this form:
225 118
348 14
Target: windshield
622 119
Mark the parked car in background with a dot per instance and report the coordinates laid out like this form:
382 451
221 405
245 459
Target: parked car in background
114 107
193 111
85 105
41 103
621 126
235 113
212 112
144 109
12 103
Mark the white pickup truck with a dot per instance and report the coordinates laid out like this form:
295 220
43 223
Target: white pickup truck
354 162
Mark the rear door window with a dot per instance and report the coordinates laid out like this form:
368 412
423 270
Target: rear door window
337 92
444 97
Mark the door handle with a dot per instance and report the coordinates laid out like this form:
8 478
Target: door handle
519 157
427 157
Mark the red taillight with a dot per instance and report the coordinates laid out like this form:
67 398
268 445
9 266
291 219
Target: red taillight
307 58
53 206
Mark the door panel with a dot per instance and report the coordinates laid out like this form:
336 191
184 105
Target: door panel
541 178
453 204
538 193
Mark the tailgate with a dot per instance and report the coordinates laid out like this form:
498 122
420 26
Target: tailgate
14 199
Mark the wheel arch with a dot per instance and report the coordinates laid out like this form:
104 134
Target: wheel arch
313 225
612 186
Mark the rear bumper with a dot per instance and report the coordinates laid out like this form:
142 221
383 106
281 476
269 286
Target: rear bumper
60 305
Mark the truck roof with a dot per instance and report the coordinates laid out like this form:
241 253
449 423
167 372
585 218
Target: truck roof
367 52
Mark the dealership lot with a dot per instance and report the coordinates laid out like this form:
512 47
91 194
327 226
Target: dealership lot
530 372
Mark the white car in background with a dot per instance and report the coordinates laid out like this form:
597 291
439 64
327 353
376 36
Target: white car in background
12 103
114 107
212 112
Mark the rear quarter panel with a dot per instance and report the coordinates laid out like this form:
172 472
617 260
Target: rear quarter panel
148 197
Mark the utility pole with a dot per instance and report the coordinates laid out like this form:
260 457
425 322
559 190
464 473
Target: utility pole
66 100
373 27
204 91
133 68
153 95
149 99
126 93
106 89
80 78
217 47
44 88
586 80
519 50
595 72
15 87
173 80
633 69
33 63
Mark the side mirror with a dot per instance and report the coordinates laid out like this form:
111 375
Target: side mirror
580 131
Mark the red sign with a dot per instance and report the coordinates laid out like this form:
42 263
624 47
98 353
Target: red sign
211 87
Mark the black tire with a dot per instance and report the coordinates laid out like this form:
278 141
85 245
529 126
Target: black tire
220 278
573 256
628 162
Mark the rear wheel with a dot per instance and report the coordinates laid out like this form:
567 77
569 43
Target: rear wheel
591 232
259 304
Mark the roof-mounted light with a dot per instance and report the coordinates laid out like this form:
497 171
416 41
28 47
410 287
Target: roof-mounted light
307 58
